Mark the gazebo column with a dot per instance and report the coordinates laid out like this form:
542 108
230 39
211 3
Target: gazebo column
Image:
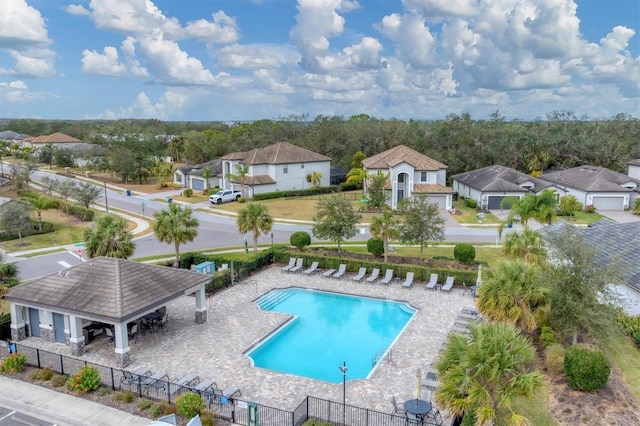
123 357
18 329
201 306
76 339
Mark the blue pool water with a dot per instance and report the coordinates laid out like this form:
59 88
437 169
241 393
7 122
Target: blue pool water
330 329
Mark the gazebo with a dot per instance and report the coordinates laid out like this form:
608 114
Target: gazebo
106 290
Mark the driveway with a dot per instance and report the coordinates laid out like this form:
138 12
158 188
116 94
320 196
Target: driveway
620 216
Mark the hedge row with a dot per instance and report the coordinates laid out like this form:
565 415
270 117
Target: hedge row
295 193
34 229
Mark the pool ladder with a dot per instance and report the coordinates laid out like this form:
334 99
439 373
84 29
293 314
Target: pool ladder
384 354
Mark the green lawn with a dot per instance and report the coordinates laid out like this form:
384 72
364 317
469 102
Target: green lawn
470 216
626 356
536 409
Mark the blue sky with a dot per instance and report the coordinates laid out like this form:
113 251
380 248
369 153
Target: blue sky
253 59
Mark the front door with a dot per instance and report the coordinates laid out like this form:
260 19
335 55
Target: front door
58 327
34 322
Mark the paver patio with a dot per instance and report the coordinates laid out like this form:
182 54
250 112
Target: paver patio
216 349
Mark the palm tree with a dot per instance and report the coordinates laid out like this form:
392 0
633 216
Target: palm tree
357 175
315 178
241 171
483 373
110 238
175 225
206 175
531 206
385 227
527 244
254 218
512 294
40 203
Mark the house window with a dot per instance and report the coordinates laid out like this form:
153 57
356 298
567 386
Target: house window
302 166
285 169
423 176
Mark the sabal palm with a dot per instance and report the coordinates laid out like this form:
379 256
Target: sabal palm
175 225
316 178
40 203
483 372
109 238
526 244
8 274
357 175
386 227
254 218
511 294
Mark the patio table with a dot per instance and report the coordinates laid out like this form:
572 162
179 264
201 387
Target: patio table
153 318
417 407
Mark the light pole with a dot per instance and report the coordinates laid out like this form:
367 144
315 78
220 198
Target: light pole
272 242
343 368
106 202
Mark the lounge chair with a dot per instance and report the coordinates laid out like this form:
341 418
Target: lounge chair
184 381
342 270
298 266
328 273
388 276
313 269
204 385
375 274
448 285
397 408
361 273
431 285
292 263
408 282
430 383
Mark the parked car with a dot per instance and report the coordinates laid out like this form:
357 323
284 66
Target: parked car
224 196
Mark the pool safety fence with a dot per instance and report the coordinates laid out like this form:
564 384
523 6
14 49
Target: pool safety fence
234 409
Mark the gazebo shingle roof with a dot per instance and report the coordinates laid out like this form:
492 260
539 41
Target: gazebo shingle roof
108 289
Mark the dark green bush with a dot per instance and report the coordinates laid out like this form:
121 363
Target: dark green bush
471 203
351 186
80 212
13 363
300 240
188 192
242 200
586 370
189 404
547 337
469 419
375 246
127 397
464 252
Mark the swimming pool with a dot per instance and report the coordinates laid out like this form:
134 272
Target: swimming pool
327 330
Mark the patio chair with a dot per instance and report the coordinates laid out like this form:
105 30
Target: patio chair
133 334
408 282
134 378
388 276
328 273
433 282
375 274
361 273
154 381
313 269
292 263
342 270
109 332
430 384
298 266
212 395
204 385
397 409
164 322
448 285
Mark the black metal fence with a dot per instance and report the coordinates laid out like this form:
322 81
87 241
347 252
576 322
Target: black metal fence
233 409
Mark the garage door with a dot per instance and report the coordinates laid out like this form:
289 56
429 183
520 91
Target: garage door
440 200
197 184
494 202
608 203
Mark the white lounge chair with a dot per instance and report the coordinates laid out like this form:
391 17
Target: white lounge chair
448 285
431 285
313 269
328 273
361 273
342 270
374 275
388 276
408 282
292 263
298 266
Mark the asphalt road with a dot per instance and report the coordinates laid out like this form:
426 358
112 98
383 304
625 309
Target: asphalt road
9 417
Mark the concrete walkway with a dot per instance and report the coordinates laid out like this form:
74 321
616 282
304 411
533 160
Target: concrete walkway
60 408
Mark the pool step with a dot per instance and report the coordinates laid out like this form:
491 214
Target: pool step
268 302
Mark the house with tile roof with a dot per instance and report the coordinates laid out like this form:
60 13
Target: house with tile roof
490 185
278 167
101 293
411 173
192 176
597 186
58 140
614 243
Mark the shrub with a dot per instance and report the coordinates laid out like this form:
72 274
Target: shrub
242 200
86 380
547 337
375 246
188 192
155 411
43 374
102 391
630 324
13 363
127 397
554 359
586 370
469 419
58 380
81 213
351 186
166 408
189 404
589 208
207 419
144 404
300 240
471 203
464 253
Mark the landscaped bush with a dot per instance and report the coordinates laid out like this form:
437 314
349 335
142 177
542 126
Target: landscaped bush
144 404
630 324
375 246
464 252
589 208
554 359
351 186
43 374
294 193
314 422
13 363
207 419
300 239
81 213
189 404
469 419
188 192
586 370
166 408
471 203
547 337
86 380
126 397
58 380
242 200
155 411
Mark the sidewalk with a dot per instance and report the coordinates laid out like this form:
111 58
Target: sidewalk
60 408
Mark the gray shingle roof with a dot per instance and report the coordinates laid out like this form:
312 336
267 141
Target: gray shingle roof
616 242
590 179
113 290
498 178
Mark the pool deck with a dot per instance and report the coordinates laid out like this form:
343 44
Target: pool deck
216 349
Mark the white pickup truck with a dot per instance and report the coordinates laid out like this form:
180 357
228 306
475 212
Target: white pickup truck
224 196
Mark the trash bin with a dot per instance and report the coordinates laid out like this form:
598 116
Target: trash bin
128 193
169 200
